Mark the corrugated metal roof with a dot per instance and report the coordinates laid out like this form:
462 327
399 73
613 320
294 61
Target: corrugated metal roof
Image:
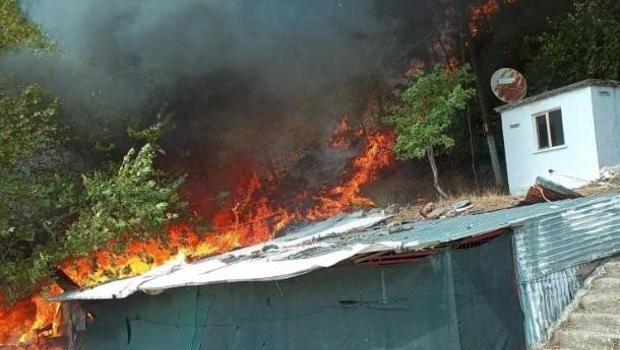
586 231
326 243
447 230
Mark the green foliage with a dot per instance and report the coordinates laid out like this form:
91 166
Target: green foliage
31 227
30 185
27 125
128 200
152 133
48 218
14 28
36 195
583 45
427 108
49 212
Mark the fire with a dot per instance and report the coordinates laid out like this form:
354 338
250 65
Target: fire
256 209
481 13
375 157
249 216
341 139
28 319
414 68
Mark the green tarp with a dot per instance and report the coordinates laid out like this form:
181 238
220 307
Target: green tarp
459 299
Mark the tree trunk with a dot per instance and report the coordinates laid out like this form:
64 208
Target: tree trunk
462 45
470 47
431 159
484 108
472 150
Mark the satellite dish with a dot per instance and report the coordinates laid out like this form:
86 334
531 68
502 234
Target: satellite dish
509 85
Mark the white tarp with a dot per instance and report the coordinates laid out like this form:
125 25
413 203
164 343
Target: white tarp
122 288
244 264
261 269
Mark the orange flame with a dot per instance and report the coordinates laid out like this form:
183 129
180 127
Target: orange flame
250 214
375 157
483 12
247 218
31 318
340 139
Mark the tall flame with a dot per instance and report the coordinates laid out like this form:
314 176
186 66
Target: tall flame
250 214
248 217
253 212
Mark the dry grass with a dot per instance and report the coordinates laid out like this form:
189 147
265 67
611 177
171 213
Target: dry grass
483 201
601 187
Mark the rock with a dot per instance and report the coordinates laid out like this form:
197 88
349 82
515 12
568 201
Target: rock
426 210
270 247
436 214
462 206
392 209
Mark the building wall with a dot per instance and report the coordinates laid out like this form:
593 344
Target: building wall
606 106
460 299
572 163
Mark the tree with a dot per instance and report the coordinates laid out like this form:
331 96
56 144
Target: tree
14 28
49 219
129 198
585 44
425 110
54 203
34 192
50 211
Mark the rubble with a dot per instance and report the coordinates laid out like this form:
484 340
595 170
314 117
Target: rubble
442 209
608 181
545 190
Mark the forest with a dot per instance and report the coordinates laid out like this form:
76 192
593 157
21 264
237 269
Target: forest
116 126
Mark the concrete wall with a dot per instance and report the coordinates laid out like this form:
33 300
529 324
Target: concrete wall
606 106
575 160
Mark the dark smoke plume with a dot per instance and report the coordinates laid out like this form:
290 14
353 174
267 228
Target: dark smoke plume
126 50
251 77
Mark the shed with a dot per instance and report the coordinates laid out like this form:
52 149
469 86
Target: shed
495 280
568 134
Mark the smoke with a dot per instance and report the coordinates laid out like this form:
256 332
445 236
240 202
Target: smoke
265 77
125 50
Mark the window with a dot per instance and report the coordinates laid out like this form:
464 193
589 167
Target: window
549 129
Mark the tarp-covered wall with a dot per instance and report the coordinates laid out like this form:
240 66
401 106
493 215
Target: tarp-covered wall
461 299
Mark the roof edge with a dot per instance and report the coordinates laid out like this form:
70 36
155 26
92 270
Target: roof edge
558 91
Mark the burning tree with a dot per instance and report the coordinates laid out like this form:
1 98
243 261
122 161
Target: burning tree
425 111
48 213
49 218
251 172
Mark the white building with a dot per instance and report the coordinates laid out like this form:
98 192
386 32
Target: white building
566 135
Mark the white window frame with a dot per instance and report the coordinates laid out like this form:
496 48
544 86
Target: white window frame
536 132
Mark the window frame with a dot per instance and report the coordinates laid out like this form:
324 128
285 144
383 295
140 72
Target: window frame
546 114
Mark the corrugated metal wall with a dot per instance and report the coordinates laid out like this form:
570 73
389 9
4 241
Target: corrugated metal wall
543 300
549 251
